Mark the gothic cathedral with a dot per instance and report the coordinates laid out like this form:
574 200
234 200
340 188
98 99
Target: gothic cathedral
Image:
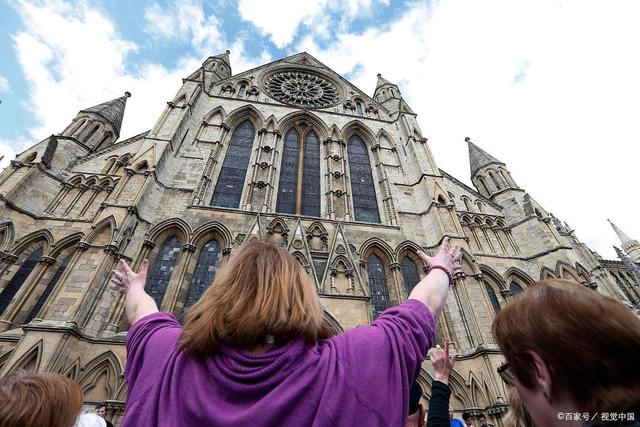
292 152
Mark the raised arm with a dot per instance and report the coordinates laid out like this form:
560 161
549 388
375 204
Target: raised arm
137 303
434 288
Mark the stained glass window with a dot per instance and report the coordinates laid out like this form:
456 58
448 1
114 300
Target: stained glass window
410 274
50 286
378 284
515 289
359 109
311 175
162 268
492 297
18 279
242 91
292 170
289 173
204 272
228 191
363 192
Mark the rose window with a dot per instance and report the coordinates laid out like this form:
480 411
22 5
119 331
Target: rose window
302 89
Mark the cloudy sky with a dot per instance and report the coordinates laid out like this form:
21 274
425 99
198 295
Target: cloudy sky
551 88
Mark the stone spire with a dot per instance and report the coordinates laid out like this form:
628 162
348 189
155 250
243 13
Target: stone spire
224 57
633 267
631 246
382 82
111 111
479 158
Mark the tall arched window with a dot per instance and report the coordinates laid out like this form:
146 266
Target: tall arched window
492 298
242 91
94 130
299 186
204 272
495 181
482 186
50 286
378 284
515 289
363 193
228 190
359 109
18 279
162 268
410 274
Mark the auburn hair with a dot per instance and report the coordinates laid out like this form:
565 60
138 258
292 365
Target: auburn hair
39 400
262 291
587 340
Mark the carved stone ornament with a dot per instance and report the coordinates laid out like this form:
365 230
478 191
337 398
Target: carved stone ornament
264 165
339 193
298 244
266 149
336 174
301 88
340 249
335 158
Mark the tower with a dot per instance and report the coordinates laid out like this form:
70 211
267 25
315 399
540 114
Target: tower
216 68
630 246
489 175
98 126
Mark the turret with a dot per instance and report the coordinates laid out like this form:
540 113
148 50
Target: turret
216 68
388 94
630 246
489 175
99 126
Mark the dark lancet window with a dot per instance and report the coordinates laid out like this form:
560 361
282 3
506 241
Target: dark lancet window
50 286
492 298
515 289
495 181
359 109
299 186
363 192
228 190
378 284
204 272
410 274
242 91
311 176
94 130
162 268
18 279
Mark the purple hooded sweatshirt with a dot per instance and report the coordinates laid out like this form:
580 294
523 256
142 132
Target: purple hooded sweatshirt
358 378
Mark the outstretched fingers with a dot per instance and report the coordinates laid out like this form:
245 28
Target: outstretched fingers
125 267
425 258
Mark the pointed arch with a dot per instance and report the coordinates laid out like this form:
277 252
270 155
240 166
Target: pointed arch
359 129
271 123
547 273
180 100
4 358
42 237
519 274
318 125
212 229
376 242
7 234
331 321
100 381
317 236
363 186
494 275
565 271
30 359
180 226
246 112
478 396
204 272
72 370
103 232
407 246
334 132
278 231
216 116
467 258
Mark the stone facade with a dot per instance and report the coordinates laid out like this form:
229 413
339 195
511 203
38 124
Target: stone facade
75 203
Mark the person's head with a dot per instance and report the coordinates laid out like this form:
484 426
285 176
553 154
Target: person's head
416 410
483 419
517 416
262 291
39 400
466 416
101 409
568 348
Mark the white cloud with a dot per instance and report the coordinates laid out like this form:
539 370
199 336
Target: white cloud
4 84
281 19
532 83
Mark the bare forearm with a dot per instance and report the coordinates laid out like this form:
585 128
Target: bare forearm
138 304
432 291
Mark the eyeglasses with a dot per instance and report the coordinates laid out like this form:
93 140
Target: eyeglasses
504 370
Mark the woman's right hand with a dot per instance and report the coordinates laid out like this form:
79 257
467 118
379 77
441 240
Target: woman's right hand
129 280
445 257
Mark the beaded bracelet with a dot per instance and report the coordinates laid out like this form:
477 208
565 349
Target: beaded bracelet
443 268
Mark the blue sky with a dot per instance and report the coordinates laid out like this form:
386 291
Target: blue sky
549 87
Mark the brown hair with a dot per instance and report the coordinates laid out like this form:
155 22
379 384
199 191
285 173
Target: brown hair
518 416
39 400
587 340
263 290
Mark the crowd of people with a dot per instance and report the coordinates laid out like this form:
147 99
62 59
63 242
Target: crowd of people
268 359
